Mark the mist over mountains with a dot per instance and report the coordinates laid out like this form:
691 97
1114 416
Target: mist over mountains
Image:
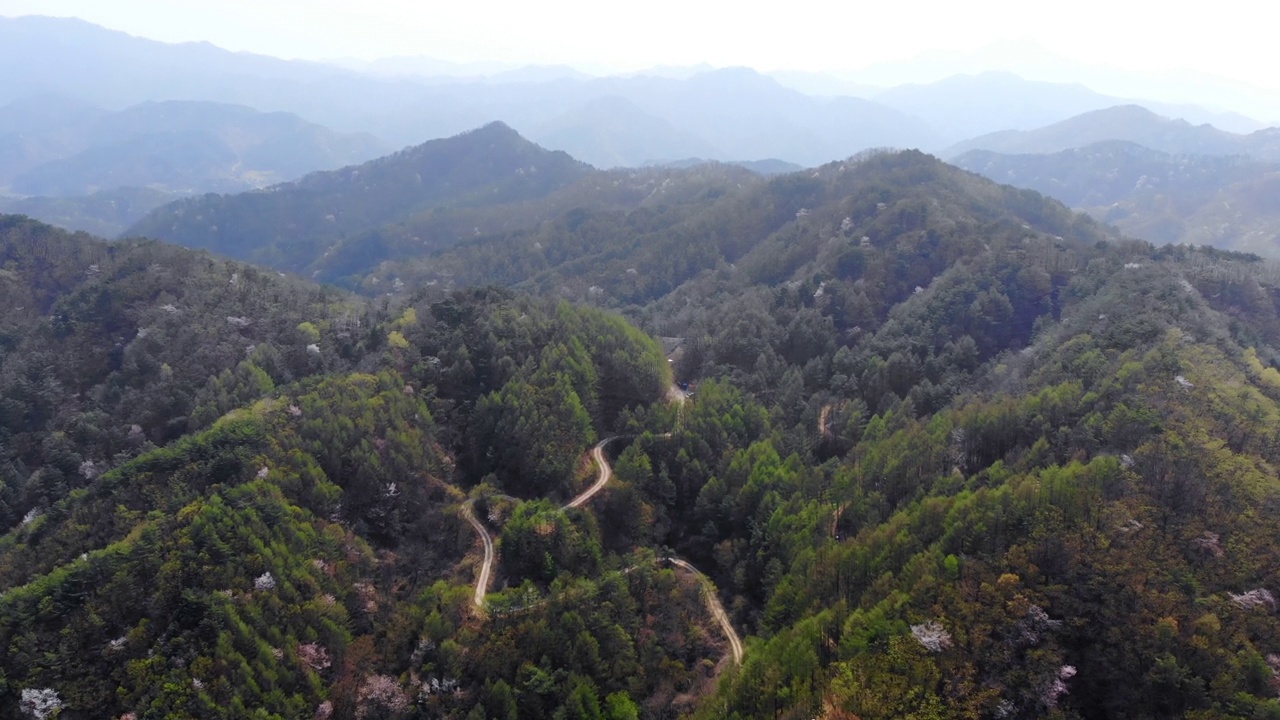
728 114
111 113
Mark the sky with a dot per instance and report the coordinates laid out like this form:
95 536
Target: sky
1230 39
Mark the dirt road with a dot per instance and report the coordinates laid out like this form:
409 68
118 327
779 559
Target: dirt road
716 607
486 567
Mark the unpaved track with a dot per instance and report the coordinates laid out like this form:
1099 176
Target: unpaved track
716 608
486 567
606 472
714 605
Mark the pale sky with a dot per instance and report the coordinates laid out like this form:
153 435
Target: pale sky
1231 39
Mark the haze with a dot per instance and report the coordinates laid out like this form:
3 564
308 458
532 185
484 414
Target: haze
1086 41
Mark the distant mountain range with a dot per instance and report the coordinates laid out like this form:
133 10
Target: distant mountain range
198 119
662 115
1130 123
57 147
106 213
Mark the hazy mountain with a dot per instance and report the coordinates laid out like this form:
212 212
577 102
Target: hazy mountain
611 131
748 115
964 106
1130 123
1224 201
1242 216
169 146
291 224
1160 90
673 72
105 213
1232 122
759 167
114 70
739 112
824 84
37 129
1107 172
421 66
537 74
727 114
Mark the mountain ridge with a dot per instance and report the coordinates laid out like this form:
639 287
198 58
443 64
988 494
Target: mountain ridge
492 160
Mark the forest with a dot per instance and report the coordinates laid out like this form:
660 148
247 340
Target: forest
940 449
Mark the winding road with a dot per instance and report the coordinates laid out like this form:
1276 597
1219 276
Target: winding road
606 472
486 567
714 606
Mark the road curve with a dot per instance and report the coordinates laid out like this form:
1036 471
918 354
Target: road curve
716 608
486 567
606 472
714 605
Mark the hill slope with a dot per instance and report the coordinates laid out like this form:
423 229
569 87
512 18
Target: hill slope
291 225
952 449
1227 201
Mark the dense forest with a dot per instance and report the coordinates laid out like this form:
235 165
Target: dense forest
948 450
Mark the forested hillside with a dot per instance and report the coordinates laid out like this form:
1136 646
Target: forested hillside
1223 201
951 450
292 225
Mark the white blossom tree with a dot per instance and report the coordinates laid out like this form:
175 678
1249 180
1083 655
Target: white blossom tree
40 703
932 636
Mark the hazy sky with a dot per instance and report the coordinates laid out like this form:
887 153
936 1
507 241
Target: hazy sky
1228 38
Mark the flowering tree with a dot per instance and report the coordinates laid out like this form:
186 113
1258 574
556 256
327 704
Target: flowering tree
932 636
380 696
40 703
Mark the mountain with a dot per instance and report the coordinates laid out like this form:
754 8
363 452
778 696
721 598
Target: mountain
750 116
1130 123
291 225
612 132
759 167
189 430
1224 201
172 147
740 113
950 449
111 69
1108 172
1157 89
106 213
40 128
1242 216
823 84
966 106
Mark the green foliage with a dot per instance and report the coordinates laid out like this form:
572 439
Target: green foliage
540 541
988 462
